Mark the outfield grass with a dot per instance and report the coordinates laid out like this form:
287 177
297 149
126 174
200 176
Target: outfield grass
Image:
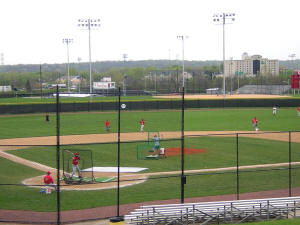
93 123
39 100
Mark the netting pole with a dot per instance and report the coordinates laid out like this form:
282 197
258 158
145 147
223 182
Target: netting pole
237 168
119 117
183 178
58 153
290 166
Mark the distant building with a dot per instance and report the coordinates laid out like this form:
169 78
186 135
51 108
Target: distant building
251 65
5 88
213 91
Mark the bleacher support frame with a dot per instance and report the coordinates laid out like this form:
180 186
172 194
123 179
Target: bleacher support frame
233 212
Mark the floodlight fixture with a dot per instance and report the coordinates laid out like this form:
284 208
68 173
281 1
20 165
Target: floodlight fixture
68 41
182 38
222 19
125 56
89 24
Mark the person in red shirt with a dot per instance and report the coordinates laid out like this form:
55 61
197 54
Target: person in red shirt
107 126
254 123
298 110
49 182
142 123
75 165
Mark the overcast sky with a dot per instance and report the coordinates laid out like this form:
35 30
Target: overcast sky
32 30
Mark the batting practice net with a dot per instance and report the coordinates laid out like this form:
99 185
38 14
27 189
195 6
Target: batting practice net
151 135
85 165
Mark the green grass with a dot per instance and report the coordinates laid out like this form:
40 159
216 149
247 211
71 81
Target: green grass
220 152
26 198
38 100
93 122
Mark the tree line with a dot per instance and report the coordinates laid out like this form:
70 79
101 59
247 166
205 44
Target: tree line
163 78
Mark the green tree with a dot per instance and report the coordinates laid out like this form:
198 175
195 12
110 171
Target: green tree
28 86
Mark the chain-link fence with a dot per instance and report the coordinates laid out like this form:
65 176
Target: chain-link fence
120 169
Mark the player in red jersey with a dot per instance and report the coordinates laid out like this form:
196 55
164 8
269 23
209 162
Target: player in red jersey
142 123
49 182
254 123
107 126
75 165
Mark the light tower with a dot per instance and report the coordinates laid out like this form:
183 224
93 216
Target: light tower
68 41
182 38
89 24
292 56
125 56
222 19
2 59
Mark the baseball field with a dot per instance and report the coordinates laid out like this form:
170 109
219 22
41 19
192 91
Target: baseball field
28 149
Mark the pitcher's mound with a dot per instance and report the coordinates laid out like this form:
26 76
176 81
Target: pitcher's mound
187 151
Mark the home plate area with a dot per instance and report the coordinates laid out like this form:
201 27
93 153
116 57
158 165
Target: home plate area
105 178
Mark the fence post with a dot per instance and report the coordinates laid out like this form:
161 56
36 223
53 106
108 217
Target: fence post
58 153
119 118
237 168
183 178
290 166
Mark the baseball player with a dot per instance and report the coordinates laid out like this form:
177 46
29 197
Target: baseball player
75 162
49 183
298 110
156 147
274 110
107 126
142 123
254 123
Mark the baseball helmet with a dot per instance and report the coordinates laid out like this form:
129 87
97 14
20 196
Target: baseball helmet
48 172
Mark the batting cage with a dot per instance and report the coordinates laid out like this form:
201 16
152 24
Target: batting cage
84 173
152 134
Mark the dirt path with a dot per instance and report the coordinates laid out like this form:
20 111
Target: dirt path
11 144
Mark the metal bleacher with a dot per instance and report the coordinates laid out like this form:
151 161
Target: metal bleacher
264 89
216 212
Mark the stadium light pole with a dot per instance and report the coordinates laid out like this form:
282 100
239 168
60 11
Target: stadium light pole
182 38
125 56
89 24
68 41
221 19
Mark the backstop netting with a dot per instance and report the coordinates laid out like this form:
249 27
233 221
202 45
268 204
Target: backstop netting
85 165
151 135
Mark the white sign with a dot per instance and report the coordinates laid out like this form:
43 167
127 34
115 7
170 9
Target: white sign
104 85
